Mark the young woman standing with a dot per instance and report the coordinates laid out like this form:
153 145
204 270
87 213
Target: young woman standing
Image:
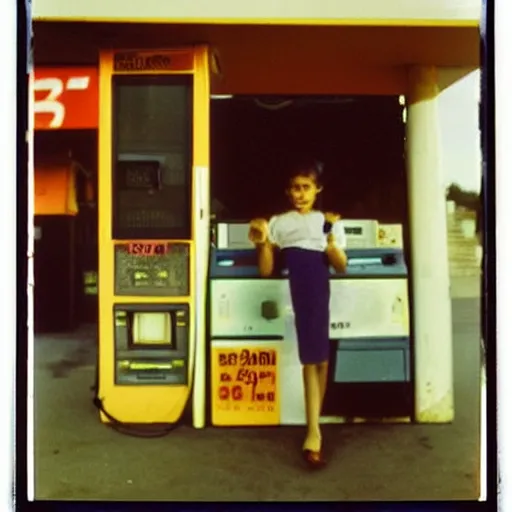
310 241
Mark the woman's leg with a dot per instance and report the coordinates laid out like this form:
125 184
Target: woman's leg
322 369
313 399
315 385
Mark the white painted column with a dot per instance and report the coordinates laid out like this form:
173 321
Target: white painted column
201 223
430 271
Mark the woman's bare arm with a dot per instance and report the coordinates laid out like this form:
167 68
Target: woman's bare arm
336 256
265 258
258 234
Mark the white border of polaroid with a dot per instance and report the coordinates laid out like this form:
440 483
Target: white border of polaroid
8 86
30 297
8 89
503 109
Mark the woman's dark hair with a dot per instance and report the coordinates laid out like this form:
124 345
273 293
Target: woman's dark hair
307 168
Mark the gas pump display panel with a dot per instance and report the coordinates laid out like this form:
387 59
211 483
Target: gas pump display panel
151 344
151 157
158 269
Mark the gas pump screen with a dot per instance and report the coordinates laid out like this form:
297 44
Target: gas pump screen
139 175
152 329
148 202
152 147
152 269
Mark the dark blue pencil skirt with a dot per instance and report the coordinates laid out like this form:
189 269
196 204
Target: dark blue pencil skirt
310 292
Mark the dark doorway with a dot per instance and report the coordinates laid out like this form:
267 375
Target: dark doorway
360 141
66 246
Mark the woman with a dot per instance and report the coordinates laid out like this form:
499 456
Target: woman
309 241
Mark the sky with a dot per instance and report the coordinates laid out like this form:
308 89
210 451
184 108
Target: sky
460 136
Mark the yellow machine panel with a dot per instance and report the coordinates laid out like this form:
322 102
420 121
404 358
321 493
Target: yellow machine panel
153 164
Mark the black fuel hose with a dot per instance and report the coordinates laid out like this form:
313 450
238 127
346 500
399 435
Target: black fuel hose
145 431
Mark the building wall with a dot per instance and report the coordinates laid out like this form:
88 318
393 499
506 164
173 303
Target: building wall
330 11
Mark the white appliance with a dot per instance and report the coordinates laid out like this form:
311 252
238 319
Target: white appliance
360 308
246 313
391 235
365 308
359 233
233 236
236 307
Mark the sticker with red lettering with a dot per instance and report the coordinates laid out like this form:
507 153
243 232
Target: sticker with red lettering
148 248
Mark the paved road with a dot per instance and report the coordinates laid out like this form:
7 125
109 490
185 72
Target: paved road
78 458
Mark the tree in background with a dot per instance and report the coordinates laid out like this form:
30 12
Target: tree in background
469 200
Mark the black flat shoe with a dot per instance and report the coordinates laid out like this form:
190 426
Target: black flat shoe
315 460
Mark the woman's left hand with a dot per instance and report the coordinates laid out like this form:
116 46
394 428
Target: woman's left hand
332 217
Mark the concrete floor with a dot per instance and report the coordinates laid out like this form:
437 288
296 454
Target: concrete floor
77 458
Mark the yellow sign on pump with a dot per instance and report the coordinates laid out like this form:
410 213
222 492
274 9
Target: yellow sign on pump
153 174
244 386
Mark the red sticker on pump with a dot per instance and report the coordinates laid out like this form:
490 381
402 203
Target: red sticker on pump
148 248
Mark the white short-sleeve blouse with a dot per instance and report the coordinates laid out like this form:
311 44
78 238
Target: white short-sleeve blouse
304 231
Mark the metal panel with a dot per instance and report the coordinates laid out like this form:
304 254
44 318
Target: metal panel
251 307
293 410
362 308
377 262
232 263
385 365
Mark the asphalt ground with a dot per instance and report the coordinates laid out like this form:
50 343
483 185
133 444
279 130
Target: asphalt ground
78 458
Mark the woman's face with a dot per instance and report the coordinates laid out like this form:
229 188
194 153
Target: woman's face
302 193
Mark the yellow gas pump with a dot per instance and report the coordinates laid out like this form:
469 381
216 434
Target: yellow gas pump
153 232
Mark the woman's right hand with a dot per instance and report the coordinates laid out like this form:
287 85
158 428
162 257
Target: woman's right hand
258 231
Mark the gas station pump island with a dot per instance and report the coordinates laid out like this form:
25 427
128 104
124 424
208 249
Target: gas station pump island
185 320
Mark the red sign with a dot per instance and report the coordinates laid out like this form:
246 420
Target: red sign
66 98
148 249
